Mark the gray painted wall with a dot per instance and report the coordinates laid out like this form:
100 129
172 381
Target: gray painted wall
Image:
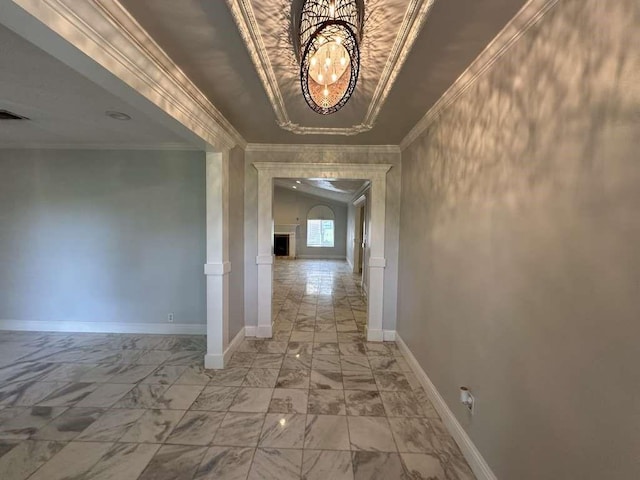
351 232
327 155
291 207
236 241
102 236
520 258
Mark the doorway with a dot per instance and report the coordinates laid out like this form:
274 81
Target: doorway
373 266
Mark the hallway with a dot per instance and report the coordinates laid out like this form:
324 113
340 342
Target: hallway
314 402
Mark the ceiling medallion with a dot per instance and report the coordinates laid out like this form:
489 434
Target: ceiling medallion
326 41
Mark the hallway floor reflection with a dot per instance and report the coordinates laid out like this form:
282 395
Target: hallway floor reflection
315 402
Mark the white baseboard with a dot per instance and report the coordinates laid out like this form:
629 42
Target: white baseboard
321 257
350 263
104 327
473 456
389 335
250 331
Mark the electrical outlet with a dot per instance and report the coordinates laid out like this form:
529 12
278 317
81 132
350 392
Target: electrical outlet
467 399
170 318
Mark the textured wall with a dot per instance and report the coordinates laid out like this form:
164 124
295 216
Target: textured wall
519 256
289 206
236 241
327 155
102 236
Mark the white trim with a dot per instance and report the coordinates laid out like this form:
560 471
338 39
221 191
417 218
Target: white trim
234 344
377 262
349 262
173 147
360 200
322 257
212 268
529 15
264 260
415 15
389 335
250 330
473 456
375 335
377 175
264 331
107 33
214 361
104 327
367 171
297 148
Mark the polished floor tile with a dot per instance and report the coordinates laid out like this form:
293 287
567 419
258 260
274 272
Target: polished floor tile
315 402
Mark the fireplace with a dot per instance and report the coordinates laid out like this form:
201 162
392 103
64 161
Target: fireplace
281 244
284 241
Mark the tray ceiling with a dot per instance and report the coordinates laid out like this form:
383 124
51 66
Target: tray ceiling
239 54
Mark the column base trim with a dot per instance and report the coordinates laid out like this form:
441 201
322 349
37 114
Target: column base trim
250 331
264 331
389 335
218 361
374 335
471 453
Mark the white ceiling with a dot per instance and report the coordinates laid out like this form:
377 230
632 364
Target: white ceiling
64 108
342 190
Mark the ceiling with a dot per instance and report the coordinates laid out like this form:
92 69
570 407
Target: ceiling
342 190
255 83
64 108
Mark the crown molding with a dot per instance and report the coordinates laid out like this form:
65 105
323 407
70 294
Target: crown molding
414 18
245 19
296 148
372 169
98 146
347 131
106 32
530 14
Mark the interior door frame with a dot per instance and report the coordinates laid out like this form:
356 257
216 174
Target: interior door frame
377 176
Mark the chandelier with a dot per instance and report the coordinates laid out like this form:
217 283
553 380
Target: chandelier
326 36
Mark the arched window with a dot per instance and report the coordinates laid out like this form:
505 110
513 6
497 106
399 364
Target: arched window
320 227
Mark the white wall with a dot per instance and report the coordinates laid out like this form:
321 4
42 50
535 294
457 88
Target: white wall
102 236
520 249
291 207
323 154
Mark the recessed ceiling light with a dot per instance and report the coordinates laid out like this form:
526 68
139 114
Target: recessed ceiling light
298 181
117 115
294 187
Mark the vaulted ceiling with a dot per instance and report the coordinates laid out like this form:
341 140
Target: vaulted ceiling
238 53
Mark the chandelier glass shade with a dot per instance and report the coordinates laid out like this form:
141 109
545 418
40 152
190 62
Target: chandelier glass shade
327 37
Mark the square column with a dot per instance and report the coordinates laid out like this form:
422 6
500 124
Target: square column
218 266
264 259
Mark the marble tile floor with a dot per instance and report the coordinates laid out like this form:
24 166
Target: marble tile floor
314 402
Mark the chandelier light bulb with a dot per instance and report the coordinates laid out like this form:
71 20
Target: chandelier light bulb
326 37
